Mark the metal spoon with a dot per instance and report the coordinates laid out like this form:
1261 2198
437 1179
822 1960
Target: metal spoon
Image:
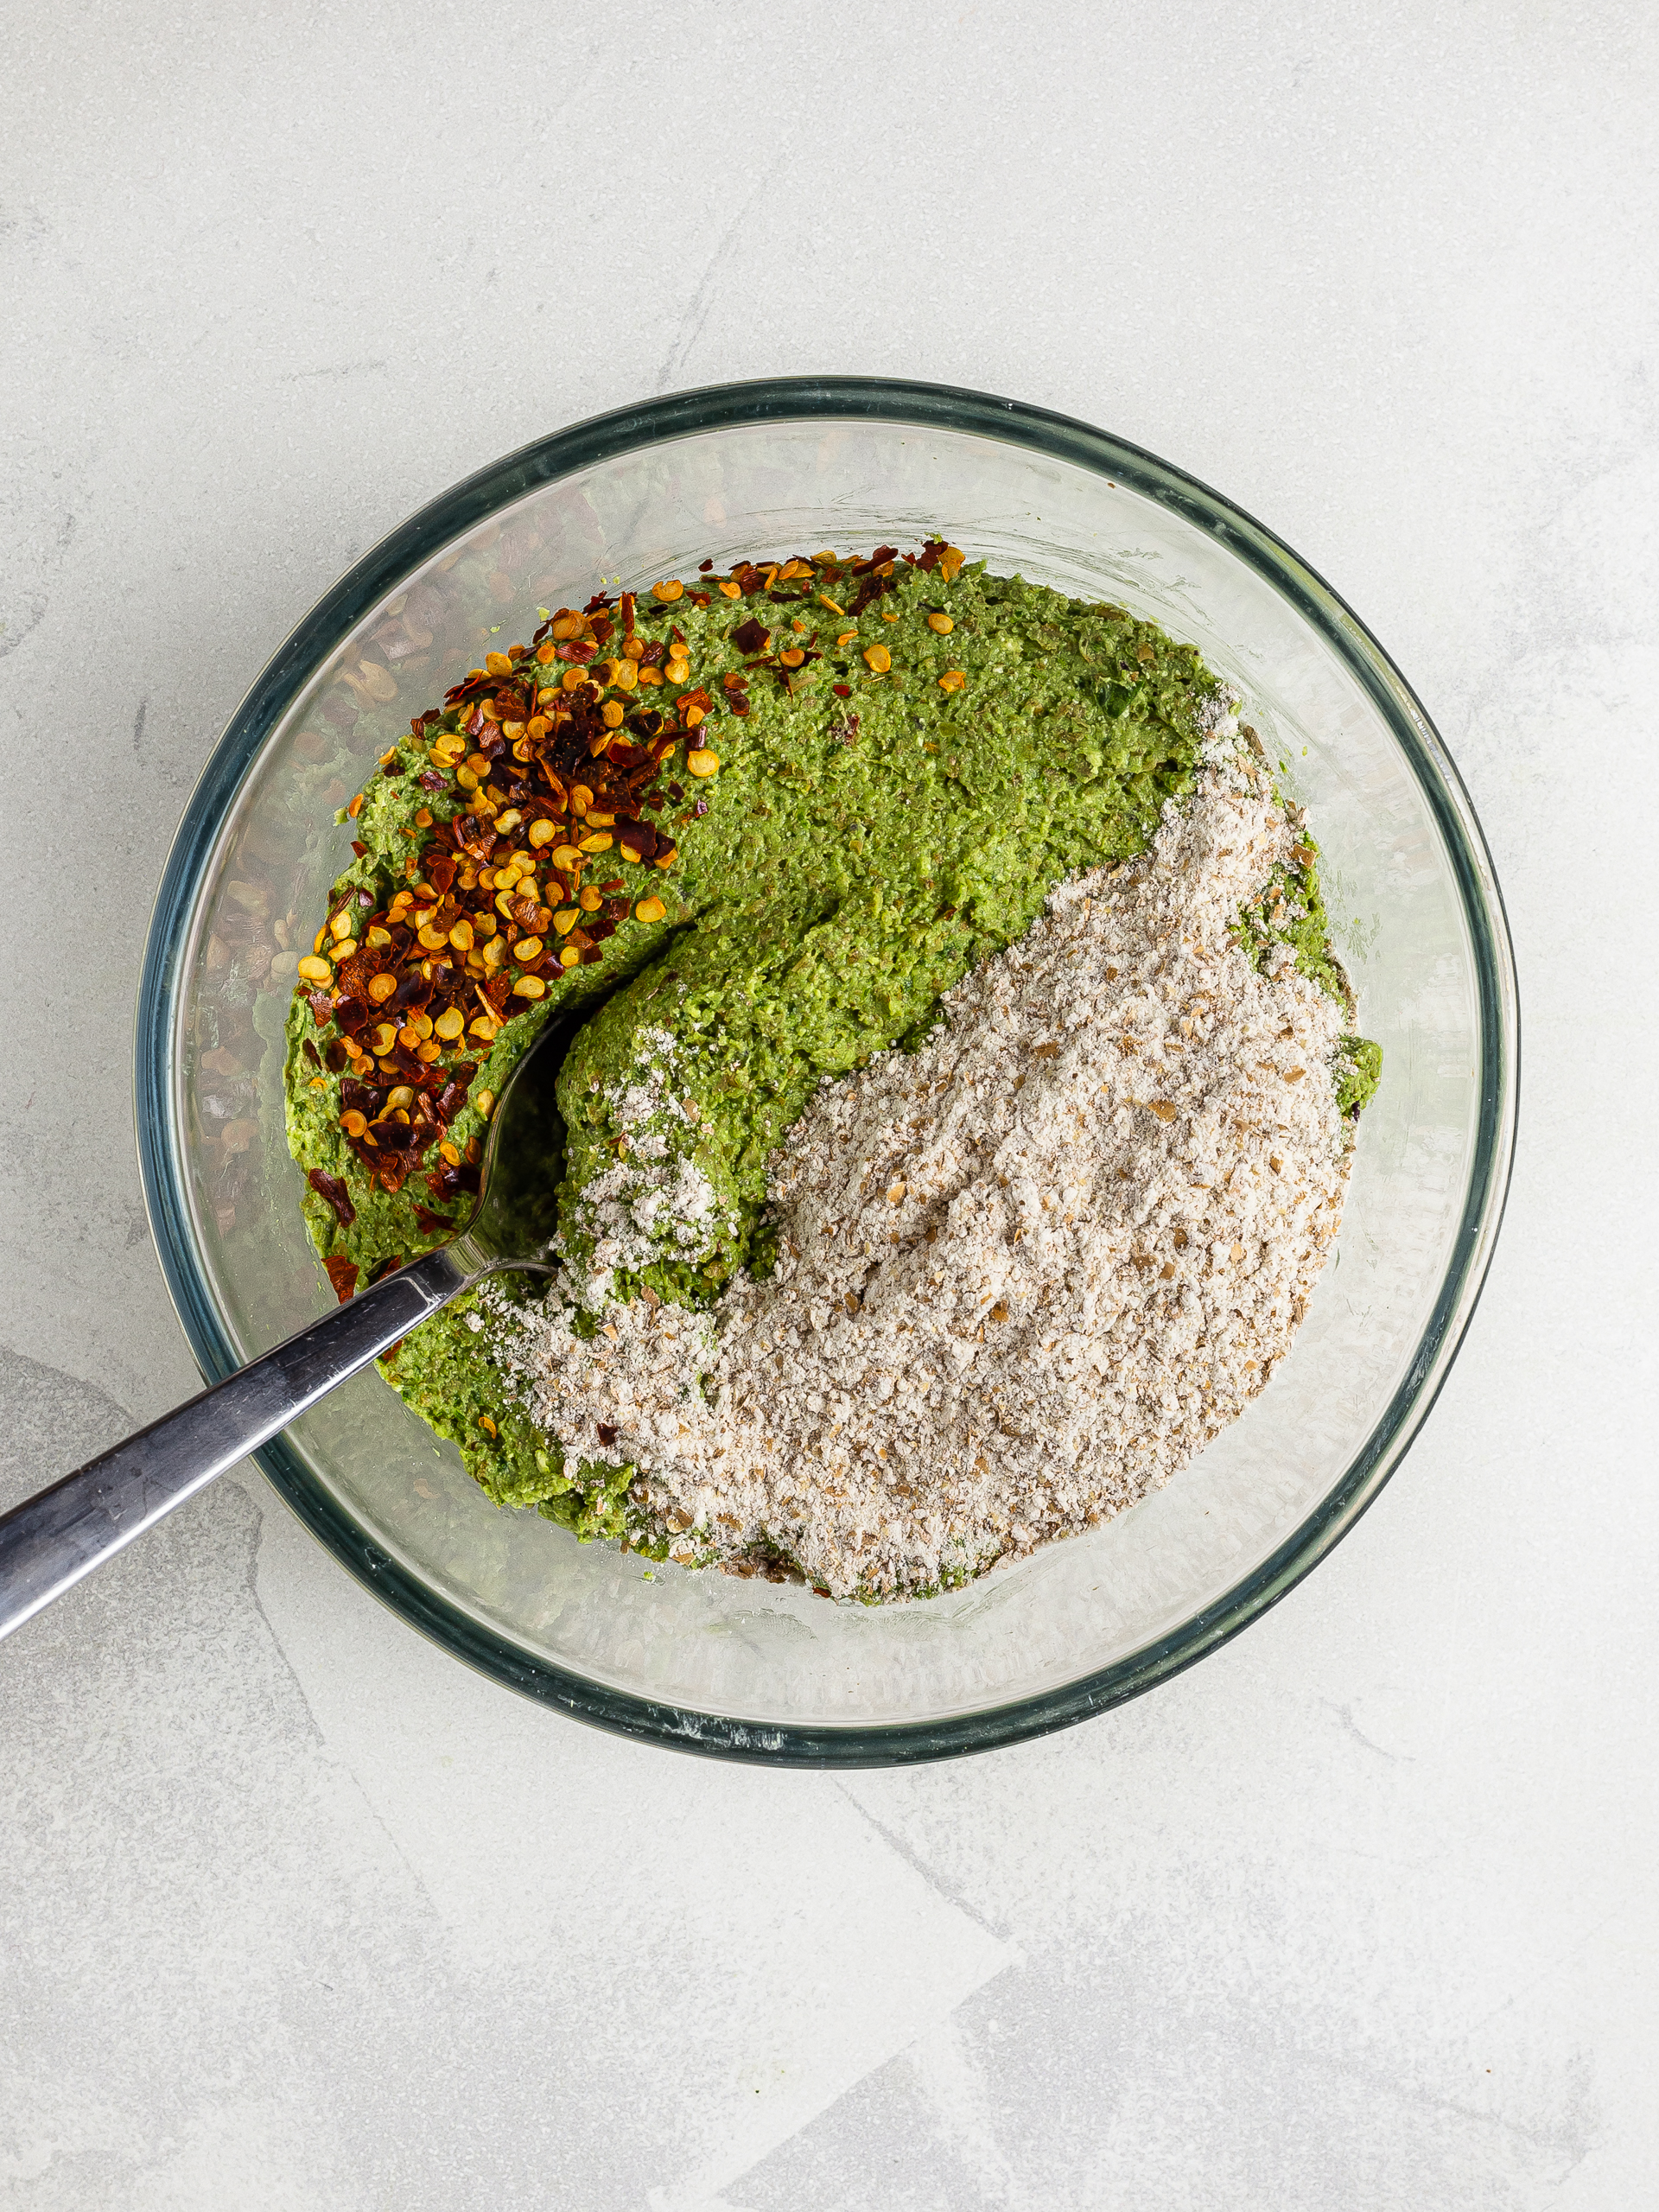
51 1539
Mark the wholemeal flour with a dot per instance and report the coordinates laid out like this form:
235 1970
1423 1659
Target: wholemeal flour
1023 1273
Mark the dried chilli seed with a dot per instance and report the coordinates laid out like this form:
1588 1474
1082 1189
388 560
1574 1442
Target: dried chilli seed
531 987
650 910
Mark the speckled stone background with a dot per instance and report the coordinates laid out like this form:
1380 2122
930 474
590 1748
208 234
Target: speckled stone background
294 1912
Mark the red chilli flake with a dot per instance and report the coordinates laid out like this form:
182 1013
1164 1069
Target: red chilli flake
449 1182
331 1188
342 1273
841 691
751 637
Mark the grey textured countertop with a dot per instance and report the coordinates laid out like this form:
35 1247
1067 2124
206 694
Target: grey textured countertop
1360 1912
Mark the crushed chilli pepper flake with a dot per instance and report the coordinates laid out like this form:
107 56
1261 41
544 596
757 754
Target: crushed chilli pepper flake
331 1188
543 771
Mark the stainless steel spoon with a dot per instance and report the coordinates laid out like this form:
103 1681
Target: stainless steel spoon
51 1539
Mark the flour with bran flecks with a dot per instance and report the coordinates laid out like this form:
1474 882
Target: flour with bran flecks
1025 1273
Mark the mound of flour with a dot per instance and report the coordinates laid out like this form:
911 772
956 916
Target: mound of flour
1025 1273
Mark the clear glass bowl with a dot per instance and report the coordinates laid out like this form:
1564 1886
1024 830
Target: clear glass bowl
747 1669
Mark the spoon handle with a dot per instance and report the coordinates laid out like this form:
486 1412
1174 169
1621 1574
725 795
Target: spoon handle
51 1539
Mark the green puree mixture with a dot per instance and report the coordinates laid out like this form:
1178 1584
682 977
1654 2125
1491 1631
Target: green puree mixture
833 835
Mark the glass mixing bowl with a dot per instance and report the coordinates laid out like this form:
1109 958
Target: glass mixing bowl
753 1669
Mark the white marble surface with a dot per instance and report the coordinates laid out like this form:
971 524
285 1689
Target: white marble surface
1361 1912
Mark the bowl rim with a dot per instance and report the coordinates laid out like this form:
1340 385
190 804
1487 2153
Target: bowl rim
931 406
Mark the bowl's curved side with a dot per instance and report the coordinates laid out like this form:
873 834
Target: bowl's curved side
161 1137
